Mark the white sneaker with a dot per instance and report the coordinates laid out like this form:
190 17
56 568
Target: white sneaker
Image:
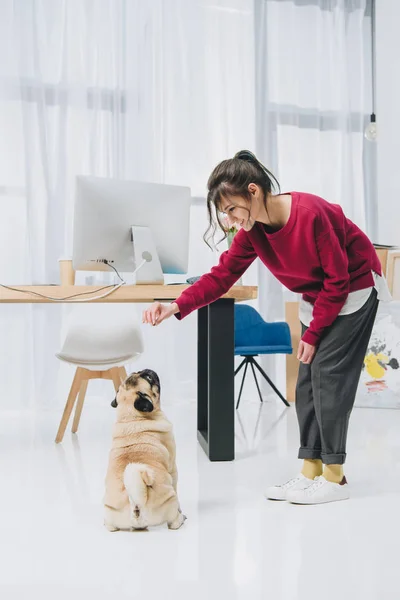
279 492
319 492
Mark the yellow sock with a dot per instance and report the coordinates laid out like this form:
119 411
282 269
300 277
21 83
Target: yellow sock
333 473
312 467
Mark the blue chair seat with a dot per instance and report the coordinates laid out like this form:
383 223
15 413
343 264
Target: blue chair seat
254 336
256 350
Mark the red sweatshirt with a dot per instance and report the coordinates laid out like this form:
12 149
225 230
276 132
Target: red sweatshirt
319 253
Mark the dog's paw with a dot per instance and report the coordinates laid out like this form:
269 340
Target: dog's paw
178 522
110 527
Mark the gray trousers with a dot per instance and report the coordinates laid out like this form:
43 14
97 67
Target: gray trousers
326 389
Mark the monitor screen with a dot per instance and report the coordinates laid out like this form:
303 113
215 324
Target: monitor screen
107 209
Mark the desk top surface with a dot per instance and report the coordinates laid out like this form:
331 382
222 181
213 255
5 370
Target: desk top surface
33 294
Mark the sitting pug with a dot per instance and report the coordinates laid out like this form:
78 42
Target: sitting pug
141 482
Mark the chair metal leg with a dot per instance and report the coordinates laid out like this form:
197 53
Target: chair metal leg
255 377
240 366
241 387
263 373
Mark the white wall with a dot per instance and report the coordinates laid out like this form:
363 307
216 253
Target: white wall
388 120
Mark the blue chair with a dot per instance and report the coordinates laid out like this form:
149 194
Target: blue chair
254 336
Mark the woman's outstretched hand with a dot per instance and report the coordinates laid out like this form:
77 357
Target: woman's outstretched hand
158 312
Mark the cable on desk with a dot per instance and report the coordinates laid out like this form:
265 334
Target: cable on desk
66 298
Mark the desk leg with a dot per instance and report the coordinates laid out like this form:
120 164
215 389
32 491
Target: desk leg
215 380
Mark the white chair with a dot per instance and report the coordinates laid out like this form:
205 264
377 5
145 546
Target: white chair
101 338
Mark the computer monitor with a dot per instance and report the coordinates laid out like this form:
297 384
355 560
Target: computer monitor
124 222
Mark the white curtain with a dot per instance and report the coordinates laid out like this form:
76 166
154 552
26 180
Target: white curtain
161 90
150 90
313 92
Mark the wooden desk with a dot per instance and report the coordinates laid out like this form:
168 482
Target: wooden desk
215 357
126 293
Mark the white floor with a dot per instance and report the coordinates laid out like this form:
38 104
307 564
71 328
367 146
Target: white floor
234 545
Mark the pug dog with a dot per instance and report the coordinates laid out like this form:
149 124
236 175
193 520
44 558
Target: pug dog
141 481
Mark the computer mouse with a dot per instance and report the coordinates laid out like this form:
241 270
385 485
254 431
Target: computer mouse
192 279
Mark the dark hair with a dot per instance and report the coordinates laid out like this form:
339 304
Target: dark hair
232 177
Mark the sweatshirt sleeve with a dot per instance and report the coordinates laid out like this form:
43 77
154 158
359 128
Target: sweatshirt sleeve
211 286
331 247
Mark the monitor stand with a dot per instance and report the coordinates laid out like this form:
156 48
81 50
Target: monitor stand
145 253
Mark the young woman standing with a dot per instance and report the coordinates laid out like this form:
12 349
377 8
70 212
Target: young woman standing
313 249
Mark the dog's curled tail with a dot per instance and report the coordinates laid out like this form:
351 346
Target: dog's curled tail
137 479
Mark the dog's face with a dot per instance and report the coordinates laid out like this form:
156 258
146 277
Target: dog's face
139 394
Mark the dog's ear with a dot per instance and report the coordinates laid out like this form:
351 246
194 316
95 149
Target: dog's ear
151 377
114 403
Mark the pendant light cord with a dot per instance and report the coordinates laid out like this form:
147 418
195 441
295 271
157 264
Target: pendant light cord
373 57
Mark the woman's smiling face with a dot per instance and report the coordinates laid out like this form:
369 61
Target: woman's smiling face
236 209
240 211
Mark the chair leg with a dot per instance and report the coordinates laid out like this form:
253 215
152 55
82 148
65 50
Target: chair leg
241 387
255 378
75 387
122 373
241 365
263 373
79 405
115 374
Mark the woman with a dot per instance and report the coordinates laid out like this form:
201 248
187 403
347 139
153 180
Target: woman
312 249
